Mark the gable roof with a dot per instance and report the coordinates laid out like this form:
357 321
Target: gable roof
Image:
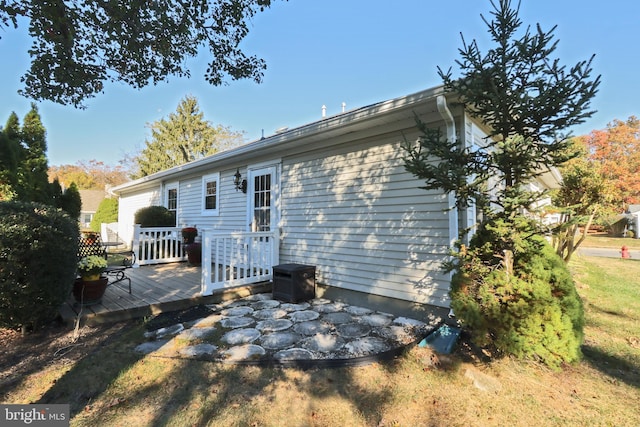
374 118
315 135
91 199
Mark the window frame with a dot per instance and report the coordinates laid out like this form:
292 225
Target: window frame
167 189
206 179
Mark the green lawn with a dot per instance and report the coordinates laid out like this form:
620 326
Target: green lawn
605 241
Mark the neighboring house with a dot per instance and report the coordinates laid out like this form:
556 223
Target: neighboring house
91 199
630 222
337 192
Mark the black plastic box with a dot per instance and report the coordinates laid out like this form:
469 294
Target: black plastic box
294 282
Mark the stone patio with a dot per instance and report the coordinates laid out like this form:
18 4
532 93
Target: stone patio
260 330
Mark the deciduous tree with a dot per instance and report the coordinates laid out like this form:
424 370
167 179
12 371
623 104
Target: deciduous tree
616 151
184 137
584 194
89 175
79 45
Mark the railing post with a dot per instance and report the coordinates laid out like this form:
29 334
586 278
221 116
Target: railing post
205 280
135 244
275 249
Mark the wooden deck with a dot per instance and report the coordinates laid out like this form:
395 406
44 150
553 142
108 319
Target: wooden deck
154 289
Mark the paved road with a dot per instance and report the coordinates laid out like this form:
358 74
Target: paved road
607 252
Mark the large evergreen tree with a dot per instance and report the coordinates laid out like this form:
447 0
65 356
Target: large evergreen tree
528 99
23 160
71 202
509 286
34 166
184 137
11 154
79 45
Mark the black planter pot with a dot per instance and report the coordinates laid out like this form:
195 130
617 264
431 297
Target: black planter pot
194 253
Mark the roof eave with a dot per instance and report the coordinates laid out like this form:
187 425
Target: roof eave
329 124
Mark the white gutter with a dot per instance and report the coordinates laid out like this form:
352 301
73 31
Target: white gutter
441 103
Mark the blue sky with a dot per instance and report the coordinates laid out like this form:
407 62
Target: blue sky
326 52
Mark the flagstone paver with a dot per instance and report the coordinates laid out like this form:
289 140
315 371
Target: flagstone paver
259 328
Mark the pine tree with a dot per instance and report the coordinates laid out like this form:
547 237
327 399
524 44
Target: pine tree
11 154
184 137
71 202
35 164
510 288
526 97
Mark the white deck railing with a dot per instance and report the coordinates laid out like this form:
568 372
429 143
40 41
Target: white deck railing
157 245
228 259
235 259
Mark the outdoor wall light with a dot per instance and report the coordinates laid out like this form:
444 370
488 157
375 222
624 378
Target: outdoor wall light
241 184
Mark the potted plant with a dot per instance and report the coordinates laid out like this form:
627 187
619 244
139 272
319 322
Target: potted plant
91 267
194 253
91 285
193 248
189 235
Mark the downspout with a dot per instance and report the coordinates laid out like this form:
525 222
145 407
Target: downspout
443 109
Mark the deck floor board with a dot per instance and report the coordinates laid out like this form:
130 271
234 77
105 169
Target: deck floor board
154 289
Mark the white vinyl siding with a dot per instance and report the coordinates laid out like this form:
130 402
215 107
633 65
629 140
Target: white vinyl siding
128 206
361 219
346 205
232 204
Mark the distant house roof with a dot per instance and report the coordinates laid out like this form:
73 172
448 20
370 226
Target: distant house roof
91 199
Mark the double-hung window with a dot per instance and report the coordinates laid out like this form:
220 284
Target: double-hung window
171 199
211 194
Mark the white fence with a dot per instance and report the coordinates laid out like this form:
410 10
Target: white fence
228 259
234 259
157 245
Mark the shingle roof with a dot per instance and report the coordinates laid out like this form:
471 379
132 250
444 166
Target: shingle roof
91 199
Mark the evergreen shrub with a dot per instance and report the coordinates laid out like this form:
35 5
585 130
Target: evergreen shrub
155 216
107 212
517 296
38 256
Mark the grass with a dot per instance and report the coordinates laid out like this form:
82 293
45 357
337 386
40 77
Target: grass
112 386
602 240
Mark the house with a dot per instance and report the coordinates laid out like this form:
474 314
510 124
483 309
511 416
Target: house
90 201
633 213
334 194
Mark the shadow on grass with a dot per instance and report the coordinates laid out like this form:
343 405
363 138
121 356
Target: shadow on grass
613 366
113 384
609 312
194 392
93 374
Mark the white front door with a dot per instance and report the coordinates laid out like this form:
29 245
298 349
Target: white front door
263 199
